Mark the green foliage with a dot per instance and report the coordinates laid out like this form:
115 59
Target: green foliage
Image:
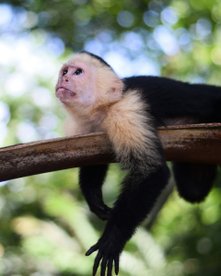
195 244
46 226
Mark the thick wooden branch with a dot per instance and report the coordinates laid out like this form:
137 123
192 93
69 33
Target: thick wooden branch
192 143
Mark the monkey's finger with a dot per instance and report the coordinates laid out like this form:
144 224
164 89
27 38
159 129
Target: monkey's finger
92 249
103 266
110 267
96 263
116 265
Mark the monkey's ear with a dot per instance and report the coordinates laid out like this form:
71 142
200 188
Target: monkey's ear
115 92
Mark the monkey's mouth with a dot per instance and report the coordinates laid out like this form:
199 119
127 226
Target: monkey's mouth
64 94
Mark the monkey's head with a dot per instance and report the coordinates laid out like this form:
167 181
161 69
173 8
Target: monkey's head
86 81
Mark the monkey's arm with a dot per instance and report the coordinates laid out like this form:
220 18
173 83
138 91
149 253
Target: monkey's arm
91 177
135 202
138 149
91 180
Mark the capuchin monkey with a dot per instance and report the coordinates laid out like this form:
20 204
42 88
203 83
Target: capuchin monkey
129 110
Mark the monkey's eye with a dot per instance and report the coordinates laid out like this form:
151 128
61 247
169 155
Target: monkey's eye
64 72
78 71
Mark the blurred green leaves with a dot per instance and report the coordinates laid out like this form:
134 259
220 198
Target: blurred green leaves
45 225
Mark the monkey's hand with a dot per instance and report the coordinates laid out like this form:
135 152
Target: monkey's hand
109 247
96 204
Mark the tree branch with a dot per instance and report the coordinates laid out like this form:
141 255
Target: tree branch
194 143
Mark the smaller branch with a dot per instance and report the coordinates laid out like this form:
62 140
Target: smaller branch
193 143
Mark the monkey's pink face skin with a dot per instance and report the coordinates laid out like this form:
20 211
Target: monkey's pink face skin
75 84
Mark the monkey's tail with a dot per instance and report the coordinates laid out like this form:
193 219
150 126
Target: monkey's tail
194 181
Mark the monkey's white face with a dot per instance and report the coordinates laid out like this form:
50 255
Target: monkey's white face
85 84
75 84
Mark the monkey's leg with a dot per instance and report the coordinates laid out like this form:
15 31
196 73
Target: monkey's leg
138 196
91 180
194 181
